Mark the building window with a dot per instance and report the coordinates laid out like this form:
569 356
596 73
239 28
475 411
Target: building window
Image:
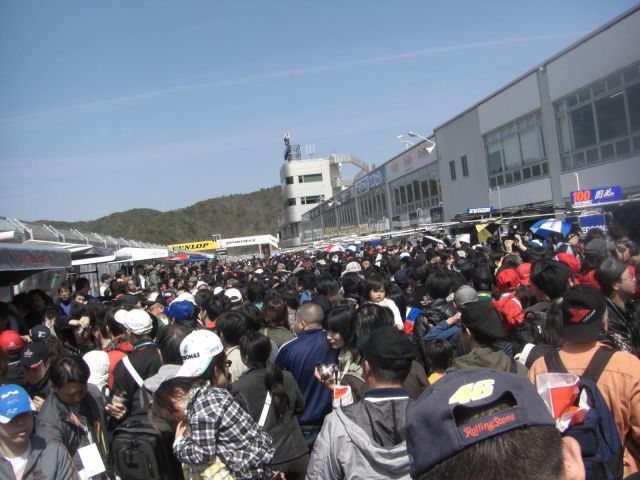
311 200
316 177
464 165
452 169
291 202
289 180
515 152
601 122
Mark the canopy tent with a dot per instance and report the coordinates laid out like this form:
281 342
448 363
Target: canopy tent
132 254
17 261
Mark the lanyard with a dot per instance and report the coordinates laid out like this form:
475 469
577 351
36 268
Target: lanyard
145 344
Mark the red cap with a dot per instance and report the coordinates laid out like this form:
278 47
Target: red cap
11 342
524 272
507 280
570 260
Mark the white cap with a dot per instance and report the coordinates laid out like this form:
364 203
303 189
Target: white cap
120 315
197 350
233 294
353 267
217 290
138 322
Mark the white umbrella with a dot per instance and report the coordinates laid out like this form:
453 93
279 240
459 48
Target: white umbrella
464 237
434 239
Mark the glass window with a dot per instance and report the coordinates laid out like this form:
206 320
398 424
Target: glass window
511 152
494 158
409 193
633 101
424 184
403 195
464 165
291 202
584 131
289 180
612 119
530 146
416 189
452 170
396 194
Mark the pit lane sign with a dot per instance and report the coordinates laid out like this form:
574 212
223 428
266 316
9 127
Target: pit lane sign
587 198
194 246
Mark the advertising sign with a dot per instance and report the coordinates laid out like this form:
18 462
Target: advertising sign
372 181
194 246
587 198
480 210
593 221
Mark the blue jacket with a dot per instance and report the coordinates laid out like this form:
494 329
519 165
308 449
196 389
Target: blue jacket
444 331
300 357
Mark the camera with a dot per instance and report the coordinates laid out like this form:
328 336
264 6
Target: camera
326 370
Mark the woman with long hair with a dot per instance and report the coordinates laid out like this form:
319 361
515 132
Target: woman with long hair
272 398
275 315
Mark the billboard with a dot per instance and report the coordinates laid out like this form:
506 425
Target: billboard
595 196
194 246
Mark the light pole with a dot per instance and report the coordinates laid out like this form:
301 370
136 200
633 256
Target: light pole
407 143
499 200
433 144
419 212
577 179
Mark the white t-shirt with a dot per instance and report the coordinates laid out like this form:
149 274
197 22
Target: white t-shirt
19 463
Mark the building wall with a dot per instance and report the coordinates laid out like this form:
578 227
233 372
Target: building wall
455 140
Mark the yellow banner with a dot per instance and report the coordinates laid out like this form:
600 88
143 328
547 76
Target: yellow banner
194 246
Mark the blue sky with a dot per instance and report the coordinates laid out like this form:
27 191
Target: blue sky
108 106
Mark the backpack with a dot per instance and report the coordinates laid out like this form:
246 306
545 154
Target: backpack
140 452
598 436
530 330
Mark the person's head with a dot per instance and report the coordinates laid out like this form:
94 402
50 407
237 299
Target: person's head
35 362
308 317
12 344
182 311
157 267
170 399
305 280
69 375
203 357
83 286
138 324
615 278
374 288
64 292
340 326
255 348
327 285
549 278
168 342
256 291
481 278
231 326
387 354
463 295
481 324
507 280
371 317
439 355
16 418
488 424
439 285
275 313
584 314
105 278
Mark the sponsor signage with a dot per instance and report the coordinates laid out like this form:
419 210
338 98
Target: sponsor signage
480 210
372 181
194 246
437 214
593 221
595 196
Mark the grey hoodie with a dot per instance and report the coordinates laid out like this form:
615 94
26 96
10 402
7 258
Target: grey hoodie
47 460
345 450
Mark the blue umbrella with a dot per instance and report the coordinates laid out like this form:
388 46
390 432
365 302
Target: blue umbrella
544 228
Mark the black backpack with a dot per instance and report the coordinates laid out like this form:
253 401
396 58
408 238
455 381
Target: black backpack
140 452
530 330
597 435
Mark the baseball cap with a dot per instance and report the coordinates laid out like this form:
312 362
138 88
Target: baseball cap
33 355
14 401
39 332
583 308
570 260
524 273
138 322
432 419
353 267
120 315
153 299
11 342
385 345
596 247
233 294
507 280
197 350
482 317
465 294
127 299
180 310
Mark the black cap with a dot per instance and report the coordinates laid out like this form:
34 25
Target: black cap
386 345
583 308
153 299
482 317
33 354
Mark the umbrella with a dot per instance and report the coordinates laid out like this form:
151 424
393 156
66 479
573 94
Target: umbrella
333 247
464 237
544 228
486 230
433 239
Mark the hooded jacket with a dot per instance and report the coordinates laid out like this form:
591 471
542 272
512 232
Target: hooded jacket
486 357
47 461
364 440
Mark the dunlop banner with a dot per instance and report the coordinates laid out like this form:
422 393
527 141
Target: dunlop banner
194 246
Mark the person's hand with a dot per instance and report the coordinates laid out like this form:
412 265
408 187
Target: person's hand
116 410
329 381
508 245
38 402
452 320
181 429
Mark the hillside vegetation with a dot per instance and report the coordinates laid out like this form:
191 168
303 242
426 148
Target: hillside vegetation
230 216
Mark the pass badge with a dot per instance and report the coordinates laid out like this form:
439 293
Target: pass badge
91 460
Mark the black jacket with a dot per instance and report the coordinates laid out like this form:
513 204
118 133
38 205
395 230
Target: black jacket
250 391
622 333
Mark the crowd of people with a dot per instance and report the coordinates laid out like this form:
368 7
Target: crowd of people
420 360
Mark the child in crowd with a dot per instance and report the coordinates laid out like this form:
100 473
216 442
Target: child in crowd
440 356
375 291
